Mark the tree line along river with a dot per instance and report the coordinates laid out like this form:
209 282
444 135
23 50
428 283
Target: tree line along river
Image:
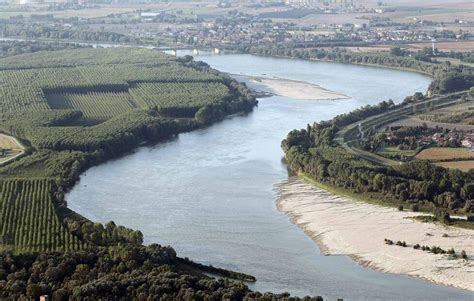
211 193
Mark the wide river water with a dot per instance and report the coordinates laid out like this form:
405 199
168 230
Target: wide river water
211 193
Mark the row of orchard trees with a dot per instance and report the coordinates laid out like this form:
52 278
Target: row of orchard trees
22 97
25 81
28 218
179 99
93 105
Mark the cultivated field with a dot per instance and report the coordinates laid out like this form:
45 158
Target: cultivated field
106 85
461 165
94 105
444 153
447 46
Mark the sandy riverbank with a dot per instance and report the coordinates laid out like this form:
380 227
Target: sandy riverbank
294 89
299 89
342 226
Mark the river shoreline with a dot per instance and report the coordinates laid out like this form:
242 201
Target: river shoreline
333 61
364 227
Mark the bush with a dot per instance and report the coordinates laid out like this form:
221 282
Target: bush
400 208
416 247
442 216
437 250
463 254
414 208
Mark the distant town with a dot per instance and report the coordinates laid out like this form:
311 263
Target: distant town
359 24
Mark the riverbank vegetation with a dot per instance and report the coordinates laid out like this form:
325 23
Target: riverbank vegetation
315 152
332 152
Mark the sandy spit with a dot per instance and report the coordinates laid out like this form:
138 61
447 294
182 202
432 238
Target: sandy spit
341 226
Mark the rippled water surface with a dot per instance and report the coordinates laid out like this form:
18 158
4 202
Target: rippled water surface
211 193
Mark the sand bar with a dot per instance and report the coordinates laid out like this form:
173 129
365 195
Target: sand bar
300 89
342 226
293 88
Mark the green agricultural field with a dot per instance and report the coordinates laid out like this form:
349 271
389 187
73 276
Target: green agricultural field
77 108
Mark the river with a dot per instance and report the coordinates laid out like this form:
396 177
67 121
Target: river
211 193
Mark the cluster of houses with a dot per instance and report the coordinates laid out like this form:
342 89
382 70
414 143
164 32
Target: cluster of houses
453 137
468 141
276 26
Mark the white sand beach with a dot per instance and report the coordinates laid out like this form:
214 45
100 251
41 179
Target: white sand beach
341 226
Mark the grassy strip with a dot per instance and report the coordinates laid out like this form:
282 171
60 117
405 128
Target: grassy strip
367 197
455 222
379 199
371 198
